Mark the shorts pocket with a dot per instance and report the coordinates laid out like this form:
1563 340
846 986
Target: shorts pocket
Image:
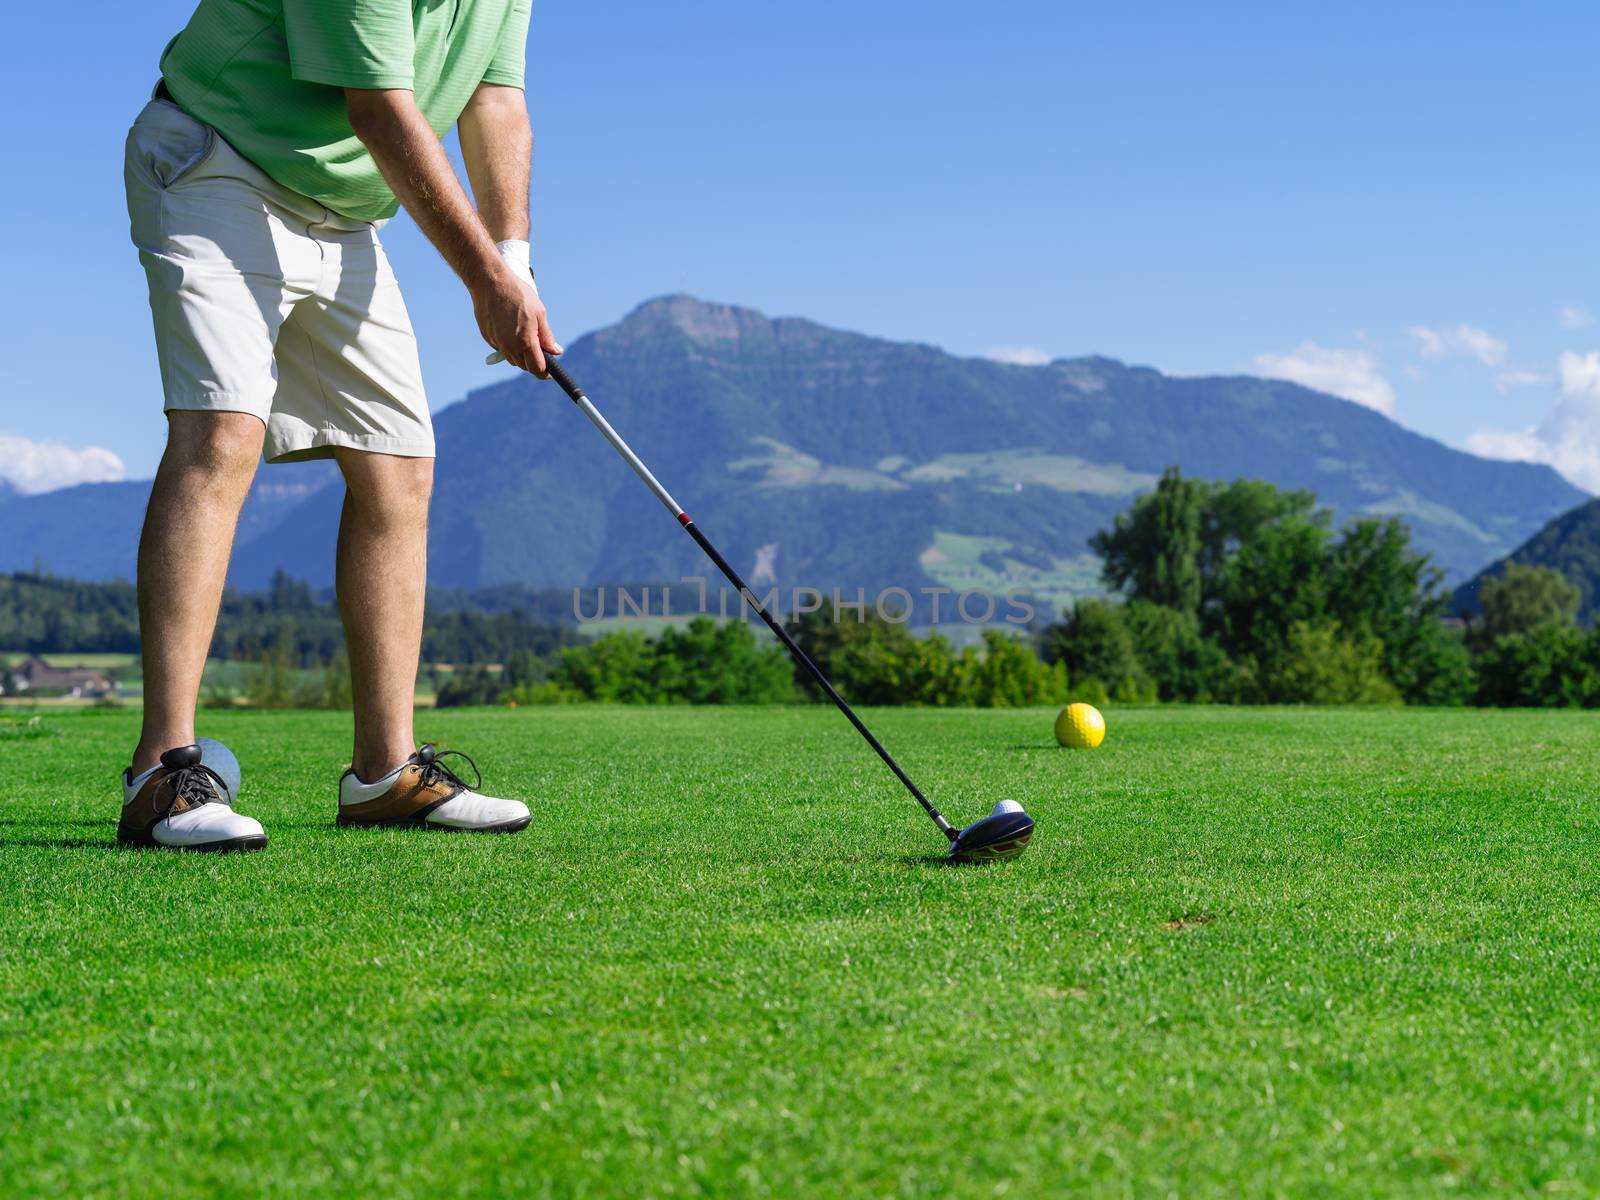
175 146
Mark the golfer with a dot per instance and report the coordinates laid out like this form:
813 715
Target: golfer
281 137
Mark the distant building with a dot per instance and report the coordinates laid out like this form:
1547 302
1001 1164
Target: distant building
39 677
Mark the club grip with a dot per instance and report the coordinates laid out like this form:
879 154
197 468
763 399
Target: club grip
559 373
552 368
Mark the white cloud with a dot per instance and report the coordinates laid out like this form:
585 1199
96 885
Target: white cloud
1568 438
1512 379
1580 374
1467 340
1517 445
1353 374
31 466
1573 317
1020 356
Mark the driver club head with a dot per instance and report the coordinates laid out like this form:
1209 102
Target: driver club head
1000 835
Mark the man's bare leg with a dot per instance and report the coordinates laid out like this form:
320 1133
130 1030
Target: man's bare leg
382 582
200 486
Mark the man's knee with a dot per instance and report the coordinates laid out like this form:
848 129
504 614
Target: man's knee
388 488
219 443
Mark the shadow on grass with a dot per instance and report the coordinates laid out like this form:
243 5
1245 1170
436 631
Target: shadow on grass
926 860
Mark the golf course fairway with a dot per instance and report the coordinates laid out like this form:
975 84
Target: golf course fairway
1249 952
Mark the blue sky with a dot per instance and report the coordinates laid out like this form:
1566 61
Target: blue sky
1393 202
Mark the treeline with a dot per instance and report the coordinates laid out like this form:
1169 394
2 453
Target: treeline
704 663
1242 593
871 661
1245 593
1528 648
40 614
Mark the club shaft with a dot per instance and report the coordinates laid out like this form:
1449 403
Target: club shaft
568 385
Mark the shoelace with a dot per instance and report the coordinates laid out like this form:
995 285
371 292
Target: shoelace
433 771
191 784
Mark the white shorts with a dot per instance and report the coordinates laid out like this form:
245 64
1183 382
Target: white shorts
268 303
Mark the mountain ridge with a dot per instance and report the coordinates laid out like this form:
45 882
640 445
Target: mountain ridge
1569 544
836 458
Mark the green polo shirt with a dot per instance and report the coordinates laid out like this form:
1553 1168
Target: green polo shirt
267 75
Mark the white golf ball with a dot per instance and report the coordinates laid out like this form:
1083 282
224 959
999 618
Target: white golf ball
1006 806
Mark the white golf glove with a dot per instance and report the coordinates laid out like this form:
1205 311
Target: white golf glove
515 253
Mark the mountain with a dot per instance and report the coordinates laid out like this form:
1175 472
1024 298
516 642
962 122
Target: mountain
831 459
91 530
1570 544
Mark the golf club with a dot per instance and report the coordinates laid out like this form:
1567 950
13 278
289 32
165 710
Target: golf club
999 835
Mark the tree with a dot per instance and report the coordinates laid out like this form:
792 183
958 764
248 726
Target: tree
1521 600
271 680
1435 667
874 661
1172 547
329 689
41 614
619 667
1232 515
1153 550
523 669
1276 579
1379 588
1318 664
1551 665
285 594
1094 642
1180 661
468 687
1008 674
708 663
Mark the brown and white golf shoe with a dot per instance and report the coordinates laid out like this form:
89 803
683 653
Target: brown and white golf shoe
182 805
424 793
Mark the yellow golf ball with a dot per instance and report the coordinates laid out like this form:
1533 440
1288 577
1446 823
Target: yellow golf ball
1080 727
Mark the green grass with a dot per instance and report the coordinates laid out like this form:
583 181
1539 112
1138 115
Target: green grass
1251 953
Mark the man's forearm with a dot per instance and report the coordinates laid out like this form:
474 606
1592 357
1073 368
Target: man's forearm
510 314
497 147
414 165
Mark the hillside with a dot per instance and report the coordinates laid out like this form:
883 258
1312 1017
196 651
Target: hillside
834 459
1569 544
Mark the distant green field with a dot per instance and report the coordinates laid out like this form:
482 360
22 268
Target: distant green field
221 676
955 561
1251 953
119 663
